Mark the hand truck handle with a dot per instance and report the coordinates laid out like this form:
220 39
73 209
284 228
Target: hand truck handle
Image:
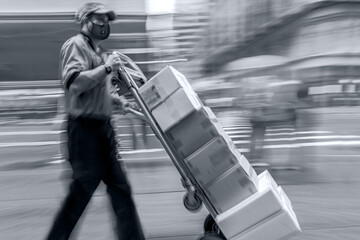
129 61
125 76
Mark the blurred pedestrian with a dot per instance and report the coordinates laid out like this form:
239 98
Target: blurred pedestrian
258 120
258 126
92 151
281 124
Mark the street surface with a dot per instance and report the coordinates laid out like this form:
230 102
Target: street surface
324 186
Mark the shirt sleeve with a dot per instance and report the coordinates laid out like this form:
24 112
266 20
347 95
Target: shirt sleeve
73 60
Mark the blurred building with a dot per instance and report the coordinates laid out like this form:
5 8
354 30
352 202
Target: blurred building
174 35
311 41
47 6
32 33
221 46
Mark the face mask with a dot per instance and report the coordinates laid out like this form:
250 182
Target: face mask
100 32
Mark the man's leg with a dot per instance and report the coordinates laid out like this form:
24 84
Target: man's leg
119 190
84 159
128 223
74 205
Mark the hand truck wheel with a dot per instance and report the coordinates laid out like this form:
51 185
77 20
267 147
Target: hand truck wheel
192 202
210 226
211 236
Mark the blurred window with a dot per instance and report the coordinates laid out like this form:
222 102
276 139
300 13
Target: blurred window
325 89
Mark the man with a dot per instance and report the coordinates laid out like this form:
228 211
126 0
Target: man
91 140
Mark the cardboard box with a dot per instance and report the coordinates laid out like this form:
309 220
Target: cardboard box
245 164
265 179
195 131
177 106
211 160
161 86
214 158
268 215
230 188
279 226
284 197
265 202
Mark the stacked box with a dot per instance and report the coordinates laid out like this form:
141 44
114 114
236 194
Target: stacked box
177 106
161 86
282 225
215 158
284 197
170 97
220 169
195 131
211 161
268 214
224 175
230 188
266 200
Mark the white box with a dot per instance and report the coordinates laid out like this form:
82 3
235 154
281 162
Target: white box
284 197
162 85
194 131
176 107
230 188
266 215
211 160
245 164
252 210
214 158
266 180
279 226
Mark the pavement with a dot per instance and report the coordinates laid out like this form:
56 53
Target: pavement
324 189
326 204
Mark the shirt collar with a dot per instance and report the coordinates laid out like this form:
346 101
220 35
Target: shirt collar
88 40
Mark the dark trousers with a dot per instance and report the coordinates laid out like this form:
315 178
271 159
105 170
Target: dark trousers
93 158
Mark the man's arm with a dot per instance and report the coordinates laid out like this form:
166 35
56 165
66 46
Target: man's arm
76 68
86 80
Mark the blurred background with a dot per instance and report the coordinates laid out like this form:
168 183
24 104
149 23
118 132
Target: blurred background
282 76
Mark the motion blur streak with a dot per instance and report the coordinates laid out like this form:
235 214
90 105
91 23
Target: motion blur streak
283 78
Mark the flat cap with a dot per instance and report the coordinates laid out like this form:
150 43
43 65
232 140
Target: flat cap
93 7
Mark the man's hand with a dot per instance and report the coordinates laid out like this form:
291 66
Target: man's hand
114 61
132 105
119 100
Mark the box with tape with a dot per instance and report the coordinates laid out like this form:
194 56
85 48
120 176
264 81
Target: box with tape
195 131
230 188
161 86
269 206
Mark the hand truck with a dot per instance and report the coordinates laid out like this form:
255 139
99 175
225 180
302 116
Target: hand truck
194 197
